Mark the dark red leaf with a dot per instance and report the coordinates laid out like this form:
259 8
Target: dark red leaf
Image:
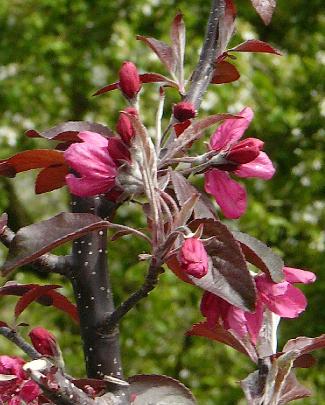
3 324
254 45
51 178
305 344
164 52
293 390
32 159
50 297
180 127
228 275
159 389
31 296
3 222
68 131
226 25
157 78
107 88
184 190
265 9
224 72
61 302
178 36
305 361
261 256
34 240
216 333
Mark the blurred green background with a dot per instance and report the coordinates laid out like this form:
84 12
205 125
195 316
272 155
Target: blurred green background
55 54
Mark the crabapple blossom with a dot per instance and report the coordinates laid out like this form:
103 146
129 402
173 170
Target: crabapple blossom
246 159
194 258
282 299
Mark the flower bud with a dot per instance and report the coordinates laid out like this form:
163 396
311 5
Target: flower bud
44 342
245 151
184 111
194 258
124 126
130 82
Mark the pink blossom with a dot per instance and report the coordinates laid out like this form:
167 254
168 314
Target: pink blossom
194 258
184 111
245 158
282 299
130 83
19 388
95 161
124 126
44 341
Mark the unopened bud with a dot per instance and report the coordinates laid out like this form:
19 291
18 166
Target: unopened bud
124 126
184 111
44 342
194 258
130 82
245 151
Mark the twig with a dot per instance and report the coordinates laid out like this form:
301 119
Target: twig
47 263
149 284
204 70
55 385
15 338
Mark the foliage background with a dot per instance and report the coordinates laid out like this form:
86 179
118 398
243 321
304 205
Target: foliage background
54 54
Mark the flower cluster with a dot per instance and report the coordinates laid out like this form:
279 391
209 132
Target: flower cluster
283 299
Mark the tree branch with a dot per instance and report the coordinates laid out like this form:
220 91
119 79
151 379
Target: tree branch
149 284
204 70
15 338
47 263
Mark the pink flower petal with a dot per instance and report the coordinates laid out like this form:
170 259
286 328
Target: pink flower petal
88 159
93 138
288 305
261 167
298 276
235 320
12 365
230 195
89 186
194 258
211 307
29 391
231 130
255 320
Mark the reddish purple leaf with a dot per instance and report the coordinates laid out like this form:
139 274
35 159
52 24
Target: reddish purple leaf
31 296
159 389
224 72
31 159
68 131
3 222
254 45
293 390
164 52
3 324
217 333
34 240
49 297
184 190
305 344
106 89
226 25
261 256
51 178
157 78
178 36
265 9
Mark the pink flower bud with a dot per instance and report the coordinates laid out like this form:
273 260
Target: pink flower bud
44 342
193 258
130 82
245 151
124 126
184 111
